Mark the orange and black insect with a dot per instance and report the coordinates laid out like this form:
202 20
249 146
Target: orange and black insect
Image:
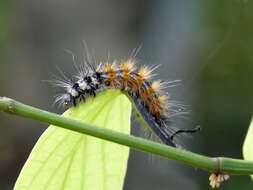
148 95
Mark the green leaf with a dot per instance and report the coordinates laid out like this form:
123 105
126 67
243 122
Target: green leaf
64 159
248 144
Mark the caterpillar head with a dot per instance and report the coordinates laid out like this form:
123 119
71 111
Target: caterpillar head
64 100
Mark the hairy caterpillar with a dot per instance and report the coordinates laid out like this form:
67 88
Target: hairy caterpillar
148 96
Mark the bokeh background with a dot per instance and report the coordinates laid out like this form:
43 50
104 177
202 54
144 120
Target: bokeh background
208 45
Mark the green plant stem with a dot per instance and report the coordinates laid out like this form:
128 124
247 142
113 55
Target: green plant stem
219 164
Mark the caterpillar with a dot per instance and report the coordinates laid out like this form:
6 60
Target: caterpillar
148 96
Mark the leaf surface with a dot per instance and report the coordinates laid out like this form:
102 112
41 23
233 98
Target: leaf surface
248 145
64 159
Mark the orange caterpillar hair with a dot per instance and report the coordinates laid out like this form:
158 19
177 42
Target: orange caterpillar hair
147 95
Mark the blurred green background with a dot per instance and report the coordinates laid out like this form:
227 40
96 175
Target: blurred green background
206 44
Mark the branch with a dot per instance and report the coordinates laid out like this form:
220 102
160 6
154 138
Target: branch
213 165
